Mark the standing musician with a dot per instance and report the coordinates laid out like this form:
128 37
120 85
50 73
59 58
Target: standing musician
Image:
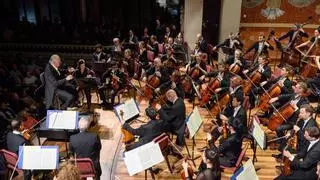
230 44
174 116
16 139
230 149
210 158
203 45
160 72
86 145
115 80
85 79
304 164
146 132
304 121
260 47
56 84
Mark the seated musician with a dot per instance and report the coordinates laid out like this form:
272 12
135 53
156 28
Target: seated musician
264 69
132 38
170 61
143 59
237 59
99 55
174 116
83 75
212 172
162 73
154 45
260 47
129 62
115 80
230 114
117 47
176 84
57 85
86 145
15 139
229 150
305 120
146 132
304 163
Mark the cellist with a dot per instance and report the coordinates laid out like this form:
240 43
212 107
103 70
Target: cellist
160 72
260 47
304 120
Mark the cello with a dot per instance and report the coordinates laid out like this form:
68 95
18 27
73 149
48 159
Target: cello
274 91
280 116
253 79
152 83
211 87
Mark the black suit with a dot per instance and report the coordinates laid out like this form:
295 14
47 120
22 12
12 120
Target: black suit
241 114
87 145
255 47
54 82
302 141
174 118
304 165
146 132
14 141
230 150
97 58
290 35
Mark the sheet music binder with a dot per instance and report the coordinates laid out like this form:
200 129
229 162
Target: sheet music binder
60 112
117 110
193 130
21 157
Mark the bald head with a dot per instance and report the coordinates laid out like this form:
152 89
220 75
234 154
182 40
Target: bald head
157 62
83 124
171 95
15 125
55 60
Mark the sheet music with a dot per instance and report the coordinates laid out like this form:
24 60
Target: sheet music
194 122
38 157
143 157
62 119
246 172
259 134
129 108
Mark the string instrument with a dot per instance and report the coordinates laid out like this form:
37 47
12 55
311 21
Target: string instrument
27 132
211 87
194 72
190 170
272 92
234 68
291 143
224 130
186 84
222 102
309 70
254 77
281 115
127 136
152 83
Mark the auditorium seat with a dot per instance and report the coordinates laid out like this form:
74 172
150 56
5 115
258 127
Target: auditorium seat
86 167
11 161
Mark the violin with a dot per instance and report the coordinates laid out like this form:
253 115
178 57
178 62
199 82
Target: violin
234 68
27 132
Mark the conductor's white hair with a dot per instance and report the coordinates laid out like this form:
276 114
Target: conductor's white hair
83 124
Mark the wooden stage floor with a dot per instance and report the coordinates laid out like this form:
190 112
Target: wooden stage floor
113 166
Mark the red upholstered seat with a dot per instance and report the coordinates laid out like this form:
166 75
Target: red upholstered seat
86 167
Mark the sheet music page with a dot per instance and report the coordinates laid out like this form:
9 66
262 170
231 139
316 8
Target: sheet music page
40 157
62 119
259 134
248 172
194 122
129 109
143 157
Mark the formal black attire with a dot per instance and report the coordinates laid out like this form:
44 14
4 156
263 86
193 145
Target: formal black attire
174 117
147 132
87 145
207 174
304 165
56 85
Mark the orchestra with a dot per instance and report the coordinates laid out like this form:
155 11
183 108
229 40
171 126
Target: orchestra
225 90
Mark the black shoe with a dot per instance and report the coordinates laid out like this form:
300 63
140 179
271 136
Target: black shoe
277 156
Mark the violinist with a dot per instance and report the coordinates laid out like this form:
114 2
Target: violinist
86 81
146 132
132 38
143 59
260 47
129 62
304 121
117 47
210 157
15 139
160 72
170 61
304 163
99 55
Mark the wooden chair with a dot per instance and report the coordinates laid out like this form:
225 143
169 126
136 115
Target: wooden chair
11 161
163 141
239 161
86 167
